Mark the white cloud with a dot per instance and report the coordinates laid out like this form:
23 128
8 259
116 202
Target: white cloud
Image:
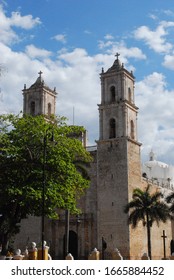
87 32
35 52
103 44
108 41
25 22
156 39
108 37
167 24
168 12
169 61
60 37
79 85
120 47
152 16
7 34
133 52
155 115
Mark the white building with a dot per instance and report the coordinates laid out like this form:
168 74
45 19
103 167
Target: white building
159 172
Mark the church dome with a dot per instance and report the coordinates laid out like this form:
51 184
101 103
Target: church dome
153 162
158 171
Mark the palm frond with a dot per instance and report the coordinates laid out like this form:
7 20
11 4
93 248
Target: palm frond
143 205
170 198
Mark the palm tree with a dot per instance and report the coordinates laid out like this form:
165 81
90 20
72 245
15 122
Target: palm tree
170 199
147 208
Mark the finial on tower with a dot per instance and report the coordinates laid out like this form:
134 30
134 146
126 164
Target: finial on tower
117 55
40 73
151 156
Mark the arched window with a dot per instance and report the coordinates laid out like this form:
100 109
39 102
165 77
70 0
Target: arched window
112 128
32 108
112 91
49 109
132 133
129 95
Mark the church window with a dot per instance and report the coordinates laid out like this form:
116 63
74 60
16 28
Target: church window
129 94
32 108
49 109
132 130
112 132
112 91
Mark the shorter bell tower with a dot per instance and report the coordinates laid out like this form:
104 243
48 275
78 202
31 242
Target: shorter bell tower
39 99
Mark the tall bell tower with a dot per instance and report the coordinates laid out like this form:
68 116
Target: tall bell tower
118 151
39 99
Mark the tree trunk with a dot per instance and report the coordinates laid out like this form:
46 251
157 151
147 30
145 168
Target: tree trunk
149 238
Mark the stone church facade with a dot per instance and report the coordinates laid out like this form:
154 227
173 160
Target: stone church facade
114 173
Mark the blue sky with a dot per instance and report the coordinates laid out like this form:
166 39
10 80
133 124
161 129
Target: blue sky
71 40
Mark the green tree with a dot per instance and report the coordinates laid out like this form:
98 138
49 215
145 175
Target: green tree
148 208
26 147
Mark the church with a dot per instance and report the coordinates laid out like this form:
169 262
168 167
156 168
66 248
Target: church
114 173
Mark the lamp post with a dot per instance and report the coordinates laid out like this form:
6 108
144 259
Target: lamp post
66 232
43 187
43 193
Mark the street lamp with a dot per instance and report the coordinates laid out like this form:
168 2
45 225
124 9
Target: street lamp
43 187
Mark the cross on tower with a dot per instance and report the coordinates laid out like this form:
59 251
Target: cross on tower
40 73
164 236
117 55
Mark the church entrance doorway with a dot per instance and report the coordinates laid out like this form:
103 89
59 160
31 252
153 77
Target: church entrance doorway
73 244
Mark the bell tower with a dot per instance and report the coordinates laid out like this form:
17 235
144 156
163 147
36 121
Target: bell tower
118 152
39 98
118 113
